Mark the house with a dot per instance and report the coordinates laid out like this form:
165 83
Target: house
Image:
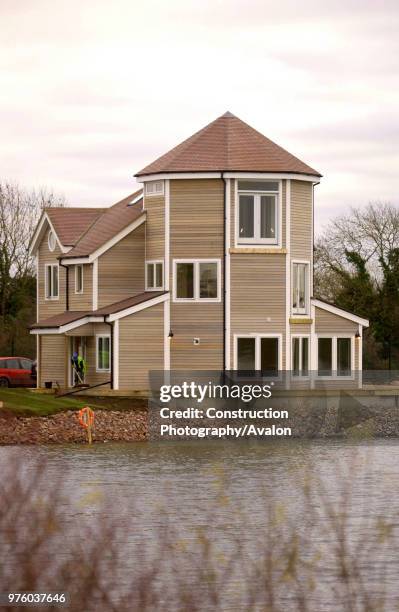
208 267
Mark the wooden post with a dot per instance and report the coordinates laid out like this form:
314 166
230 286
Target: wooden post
89 431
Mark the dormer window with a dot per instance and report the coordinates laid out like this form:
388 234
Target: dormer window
154 188
51 240
258 212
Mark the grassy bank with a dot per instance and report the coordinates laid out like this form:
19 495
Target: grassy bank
25 402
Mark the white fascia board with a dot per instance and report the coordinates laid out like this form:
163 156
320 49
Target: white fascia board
162 176
245 175
339 312
45 331
39 233
133 309
273 176
68 326
108 245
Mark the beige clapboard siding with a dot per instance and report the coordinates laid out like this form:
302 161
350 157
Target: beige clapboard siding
234 212
257 293
155 227
203 321
196 218
301 219
196 232
141 347
48 308
53 360
81 301
329 323
121 269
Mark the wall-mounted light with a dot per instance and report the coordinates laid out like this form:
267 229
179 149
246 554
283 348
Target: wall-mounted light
357 336
170 334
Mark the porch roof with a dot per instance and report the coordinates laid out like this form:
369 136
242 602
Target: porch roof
92 316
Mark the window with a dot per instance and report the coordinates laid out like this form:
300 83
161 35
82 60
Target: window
51 281
197 280
260 353
26 364
258 212
103 353
335 356
154 188
51 240
12 364
79 279
343 356
300 283
325 357
246 354
154 275
300 356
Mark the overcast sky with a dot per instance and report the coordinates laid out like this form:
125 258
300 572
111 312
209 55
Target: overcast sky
93 90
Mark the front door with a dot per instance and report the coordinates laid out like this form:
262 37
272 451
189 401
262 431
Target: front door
78 345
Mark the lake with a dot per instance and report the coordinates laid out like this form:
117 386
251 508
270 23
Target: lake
232 489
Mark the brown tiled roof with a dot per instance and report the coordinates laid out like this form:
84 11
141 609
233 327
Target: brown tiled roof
128 303
228 144
69 316
71 223
60 319
107 225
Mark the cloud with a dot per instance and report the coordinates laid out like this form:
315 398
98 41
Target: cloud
93 91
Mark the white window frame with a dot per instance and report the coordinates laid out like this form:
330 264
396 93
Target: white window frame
258 338
153 262
76 279
306 310
334 364
256 240
196 298
51 237
98 336
300 336
46 288
156 192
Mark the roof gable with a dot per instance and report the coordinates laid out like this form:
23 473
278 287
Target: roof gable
228 144
108 225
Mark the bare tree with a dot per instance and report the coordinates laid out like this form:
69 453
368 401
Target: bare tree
371 232
20 210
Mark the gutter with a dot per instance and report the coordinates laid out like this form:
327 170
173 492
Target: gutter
224 267
111 351
67 284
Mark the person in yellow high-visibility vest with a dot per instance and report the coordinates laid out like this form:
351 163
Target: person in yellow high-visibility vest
79 365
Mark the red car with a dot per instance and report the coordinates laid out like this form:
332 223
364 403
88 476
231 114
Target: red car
16 372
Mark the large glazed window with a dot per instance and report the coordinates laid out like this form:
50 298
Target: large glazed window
335 356
51 281
103 353
257 212
197 280
246 354
300 356
300 283
258 353
344 356
325 357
